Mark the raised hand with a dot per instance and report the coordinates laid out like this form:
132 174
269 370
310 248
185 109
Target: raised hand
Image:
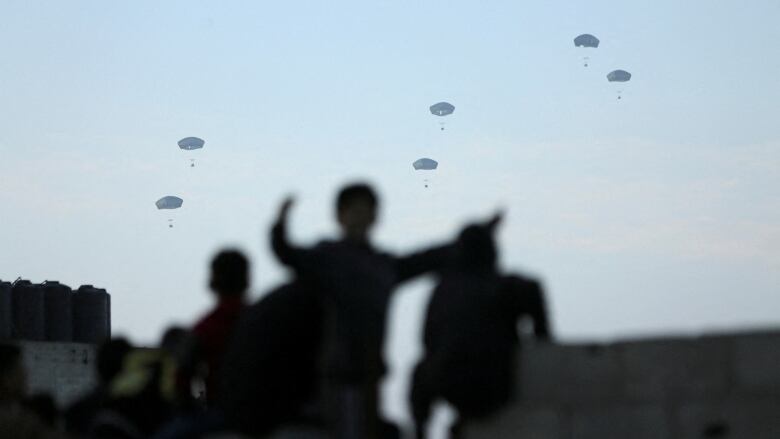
495 220
284 209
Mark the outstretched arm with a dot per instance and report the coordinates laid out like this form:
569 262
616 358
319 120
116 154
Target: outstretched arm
437 258
425 261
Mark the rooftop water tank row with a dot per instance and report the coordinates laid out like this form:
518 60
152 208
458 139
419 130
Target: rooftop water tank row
53 312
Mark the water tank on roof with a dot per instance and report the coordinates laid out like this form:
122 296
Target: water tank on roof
91 315
28 321
59 312
5 310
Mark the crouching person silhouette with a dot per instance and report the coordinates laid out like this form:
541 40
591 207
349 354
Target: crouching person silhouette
471 333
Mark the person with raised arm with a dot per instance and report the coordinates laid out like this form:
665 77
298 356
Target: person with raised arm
355 281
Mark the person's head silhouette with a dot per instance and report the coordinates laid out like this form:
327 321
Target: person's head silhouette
356 211
477 245
477 248
110 356
229 274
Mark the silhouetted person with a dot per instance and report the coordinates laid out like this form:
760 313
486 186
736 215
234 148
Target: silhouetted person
140 397
355 282
16 419
209 337
110 355
271 370
173 340
471 332
201 352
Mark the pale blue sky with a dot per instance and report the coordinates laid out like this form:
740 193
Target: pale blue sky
656 214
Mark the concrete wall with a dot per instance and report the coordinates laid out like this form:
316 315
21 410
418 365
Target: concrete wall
725 386
64 370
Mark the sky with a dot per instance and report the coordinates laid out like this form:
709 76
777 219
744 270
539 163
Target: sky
655 214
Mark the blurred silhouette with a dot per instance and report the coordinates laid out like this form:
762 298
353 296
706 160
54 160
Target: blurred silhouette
140 398
173 340
471 332
44 406
354 281
716 429
271 371
203 351
80 415
16 419
200 353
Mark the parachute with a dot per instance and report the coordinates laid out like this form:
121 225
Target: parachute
167 203
442 109
425 164
587 41
191 143
619 76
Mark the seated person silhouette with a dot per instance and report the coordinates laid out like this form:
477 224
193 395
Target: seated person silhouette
471 333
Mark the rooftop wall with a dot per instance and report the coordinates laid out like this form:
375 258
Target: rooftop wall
724 386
